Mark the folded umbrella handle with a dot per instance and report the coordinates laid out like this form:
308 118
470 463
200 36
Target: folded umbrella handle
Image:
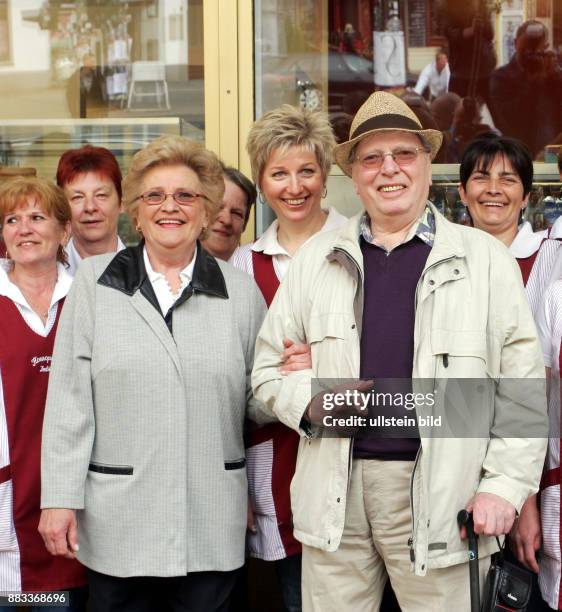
464 519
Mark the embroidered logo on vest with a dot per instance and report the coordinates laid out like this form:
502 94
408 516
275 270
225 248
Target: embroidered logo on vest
44 363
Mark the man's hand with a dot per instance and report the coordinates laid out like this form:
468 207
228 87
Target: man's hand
492 515
317 409
58 529
295 357
526 534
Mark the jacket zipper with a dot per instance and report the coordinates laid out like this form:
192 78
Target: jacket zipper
418 454
411 539
360 276
349 463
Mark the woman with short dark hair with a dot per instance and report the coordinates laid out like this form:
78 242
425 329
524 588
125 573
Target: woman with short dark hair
224 233
496 178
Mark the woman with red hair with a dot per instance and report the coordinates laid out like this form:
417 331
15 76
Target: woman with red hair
91 179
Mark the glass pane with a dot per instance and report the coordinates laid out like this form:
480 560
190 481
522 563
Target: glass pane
34 146
90 61
38 144
501 64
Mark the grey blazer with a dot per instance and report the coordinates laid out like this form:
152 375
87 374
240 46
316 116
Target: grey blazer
144 418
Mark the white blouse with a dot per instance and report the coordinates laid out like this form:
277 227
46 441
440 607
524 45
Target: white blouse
164 294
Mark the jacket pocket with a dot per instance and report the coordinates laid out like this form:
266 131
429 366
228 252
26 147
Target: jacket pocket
238 464
333 342
328 325
117 470
463 354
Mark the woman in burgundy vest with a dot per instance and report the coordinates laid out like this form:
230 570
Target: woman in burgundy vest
35 219
291 152
496 176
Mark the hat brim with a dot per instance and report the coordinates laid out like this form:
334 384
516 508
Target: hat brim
341 152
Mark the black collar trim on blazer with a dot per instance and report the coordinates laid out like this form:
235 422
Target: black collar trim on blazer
126 272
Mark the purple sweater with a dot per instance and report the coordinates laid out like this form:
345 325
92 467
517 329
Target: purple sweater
387 339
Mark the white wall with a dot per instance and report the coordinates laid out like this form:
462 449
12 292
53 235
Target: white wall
30 45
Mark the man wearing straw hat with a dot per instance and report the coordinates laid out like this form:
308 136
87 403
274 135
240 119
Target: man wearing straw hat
399 293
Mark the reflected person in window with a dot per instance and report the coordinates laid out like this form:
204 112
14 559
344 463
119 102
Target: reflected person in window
434 77
525 94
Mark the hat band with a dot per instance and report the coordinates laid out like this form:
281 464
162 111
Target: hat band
386 122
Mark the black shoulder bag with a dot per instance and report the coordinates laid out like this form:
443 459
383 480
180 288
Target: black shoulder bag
508 587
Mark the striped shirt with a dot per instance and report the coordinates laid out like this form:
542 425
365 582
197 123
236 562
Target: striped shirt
10 577
424 229
548 264
550 334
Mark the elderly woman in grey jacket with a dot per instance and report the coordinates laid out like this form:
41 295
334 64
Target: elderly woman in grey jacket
143 465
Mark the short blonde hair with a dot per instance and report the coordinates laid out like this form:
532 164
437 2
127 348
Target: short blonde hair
290 126
171 151
52 199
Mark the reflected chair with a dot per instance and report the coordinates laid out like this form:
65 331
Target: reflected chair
149 72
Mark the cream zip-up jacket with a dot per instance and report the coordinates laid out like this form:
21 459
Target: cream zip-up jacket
472 321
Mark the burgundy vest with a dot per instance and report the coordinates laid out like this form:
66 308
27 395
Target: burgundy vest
264 275
285 440
526 265
25 360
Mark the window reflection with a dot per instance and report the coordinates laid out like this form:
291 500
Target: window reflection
464 66
103 58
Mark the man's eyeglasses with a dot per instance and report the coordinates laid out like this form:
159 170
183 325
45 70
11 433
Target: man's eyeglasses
402 156
183 198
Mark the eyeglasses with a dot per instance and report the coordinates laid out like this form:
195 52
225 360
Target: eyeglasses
402 156
183 198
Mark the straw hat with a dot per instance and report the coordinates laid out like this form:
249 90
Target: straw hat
383 112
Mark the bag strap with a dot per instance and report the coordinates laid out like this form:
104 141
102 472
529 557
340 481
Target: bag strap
501 552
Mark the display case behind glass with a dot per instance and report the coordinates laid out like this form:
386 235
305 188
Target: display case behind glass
37 146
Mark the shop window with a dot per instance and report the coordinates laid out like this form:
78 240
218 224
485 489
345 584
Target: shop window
108 73
92 61
502 59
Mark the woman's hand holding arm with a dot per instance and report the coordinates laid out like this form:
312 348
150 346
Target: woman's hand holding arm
295 357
